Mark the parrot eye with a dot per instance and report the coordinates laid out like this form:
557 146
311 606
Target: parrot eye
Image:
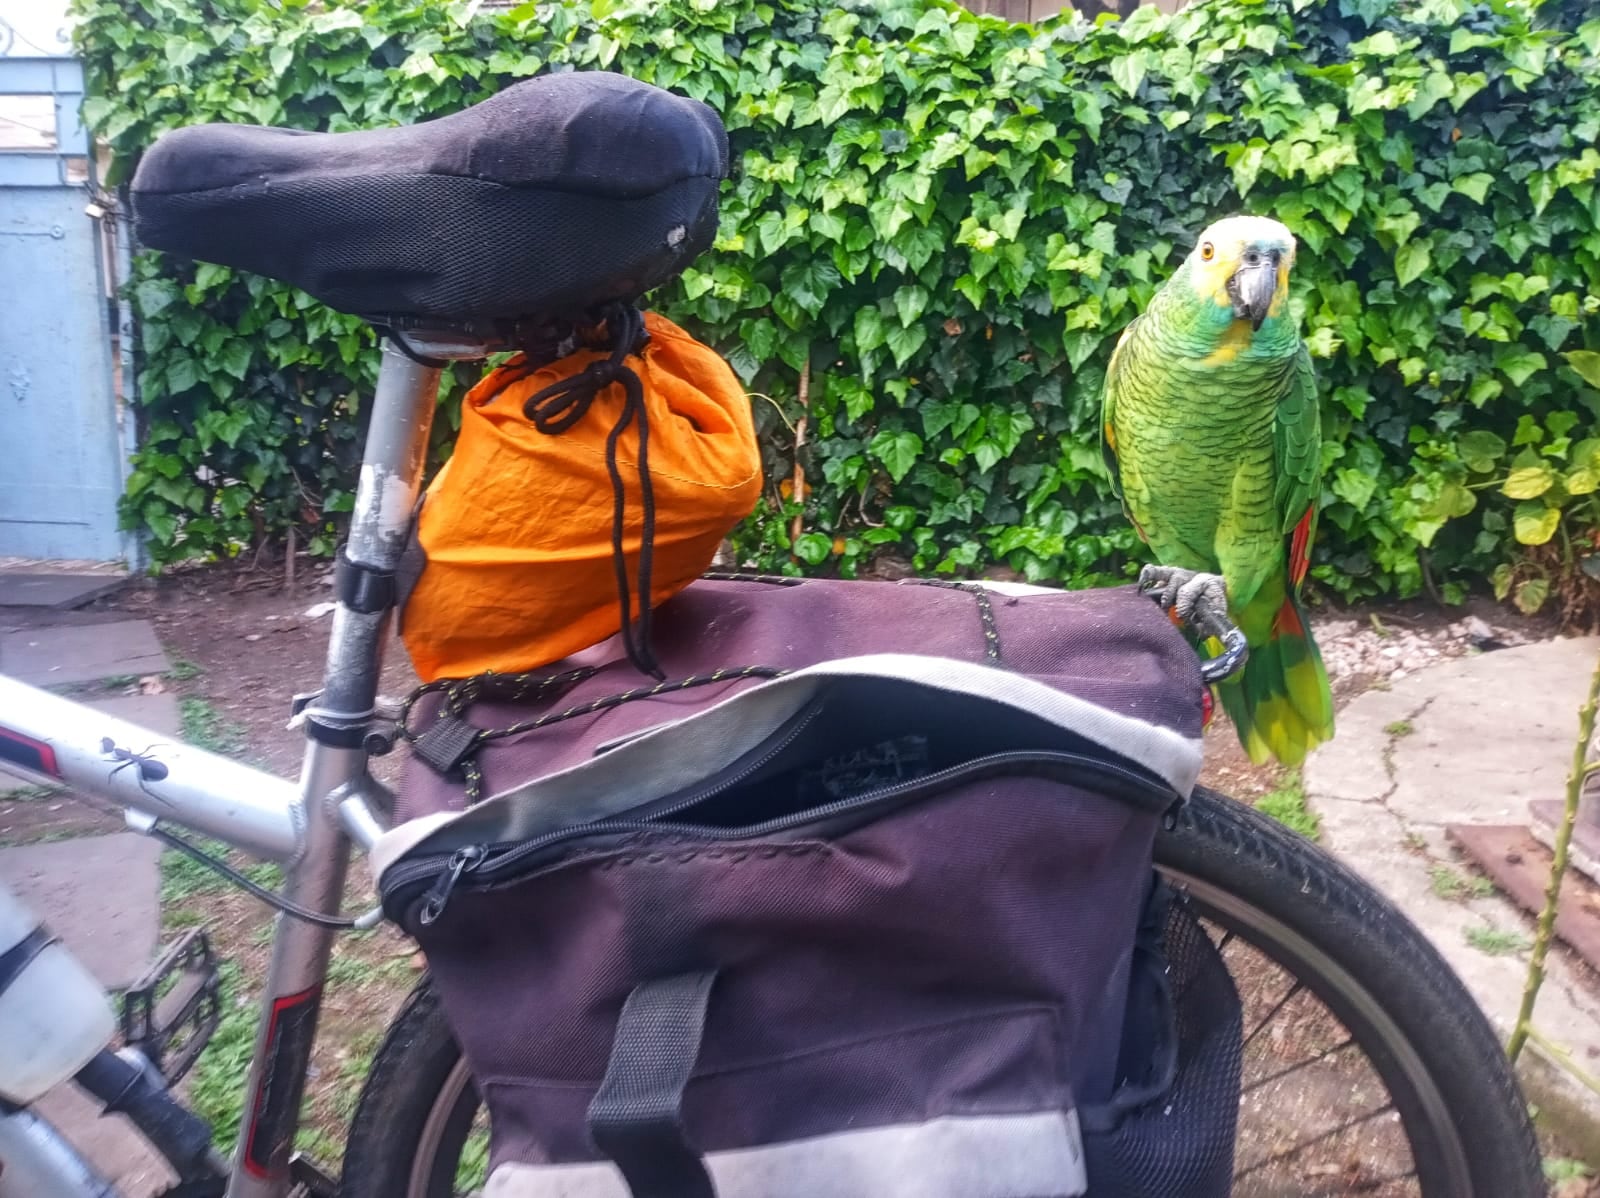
1208 252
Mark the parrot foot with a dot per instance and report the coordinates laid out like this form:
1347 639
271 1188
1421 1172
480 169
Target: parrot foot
1200 601
1184 591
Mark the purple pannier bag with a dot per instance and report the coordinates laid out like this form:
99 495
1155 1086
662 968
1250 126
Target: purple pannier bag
859 903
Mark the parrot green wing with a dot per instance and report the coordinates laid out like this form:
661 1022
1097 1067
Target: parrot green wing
1108 411
1297 442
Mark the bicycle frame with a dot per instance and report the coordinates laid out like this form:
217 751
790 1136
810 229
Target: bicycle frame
309 829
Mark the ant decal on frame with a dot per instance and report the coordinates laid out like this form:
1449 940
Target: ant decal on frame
145 766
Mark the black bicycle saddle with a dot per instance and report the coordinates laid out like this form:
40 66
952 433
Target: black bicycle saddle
547 199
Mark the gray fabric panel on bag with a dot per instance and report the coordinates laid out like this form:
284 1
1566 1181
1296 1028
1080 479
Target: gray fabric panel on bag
1037 1155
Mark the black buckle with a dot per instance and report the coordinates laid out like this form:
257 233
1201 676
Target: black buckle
363 588
445 744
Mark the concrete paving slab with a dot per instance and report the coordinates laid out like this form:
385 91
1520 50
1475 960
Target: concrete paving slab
86 653
159 712
109 1143
59 592
1468 741
101 895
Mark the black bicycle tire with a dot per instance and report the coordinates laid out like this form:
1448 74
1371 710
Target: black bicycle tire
1261 862
1215 841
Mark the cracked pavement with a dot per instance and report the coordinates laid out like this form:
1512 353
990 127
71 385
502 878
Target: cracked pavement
1471 740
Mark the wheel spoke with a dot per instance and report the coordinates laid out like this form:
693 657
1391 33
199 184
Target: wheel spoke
1273 1013
1305 1064
1315 1140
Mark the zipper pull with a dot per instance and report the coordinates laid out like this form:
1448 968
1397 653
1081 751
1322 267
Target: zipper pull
462 861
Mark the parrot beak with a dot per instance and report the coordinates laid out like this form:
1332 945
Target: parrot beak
1252 288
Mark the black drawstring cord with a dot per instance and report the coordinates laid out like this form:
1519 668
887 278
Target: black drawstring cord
560 406
405 347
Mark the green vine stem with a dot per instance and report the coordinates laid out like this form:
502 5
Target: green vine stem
1565 1059
1523 1030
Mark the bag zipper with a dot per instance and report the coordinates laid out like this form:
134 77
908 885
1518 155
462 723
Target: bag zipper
482 860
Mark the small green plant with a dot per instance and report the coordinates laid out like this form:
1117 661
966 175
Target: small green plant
1287 805
183 877
217 1088
318 1145
26 794
207 728
184 670
348 969
1496 941
473 1169
1399 728
1451 884
1561 1168
1548 475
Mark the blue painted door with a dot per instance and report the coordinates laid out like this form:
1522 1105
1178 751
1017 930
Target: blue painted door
61 458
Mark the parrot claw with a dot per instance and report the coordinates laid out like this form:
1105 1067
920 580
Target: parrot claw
1200 601
1183 591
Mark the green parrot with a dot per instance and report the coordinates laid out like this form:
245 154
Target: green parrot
1212 436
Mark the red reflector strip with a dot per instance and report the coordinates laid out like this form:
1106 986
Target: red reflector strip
30 754
276 1109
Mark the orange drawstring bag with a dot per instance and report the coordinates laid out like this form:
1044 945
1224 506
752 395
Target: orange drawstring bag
581 494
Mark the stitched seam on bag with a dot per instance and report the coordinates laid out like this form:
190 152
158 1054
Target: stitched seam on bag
901 1033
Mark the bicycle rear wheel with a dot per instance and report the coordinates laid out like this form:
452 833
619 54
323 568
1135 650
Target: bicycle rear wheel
1368 1068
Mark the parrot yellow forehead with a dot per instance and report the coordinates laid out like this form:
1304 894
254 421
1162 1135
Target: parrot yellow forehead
1221 250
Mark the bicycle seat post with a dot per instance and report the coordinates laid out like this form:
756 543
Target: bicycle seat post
336 724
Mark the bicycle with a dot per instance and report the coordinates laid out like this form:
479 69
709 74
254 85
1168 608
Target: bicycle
1396 1060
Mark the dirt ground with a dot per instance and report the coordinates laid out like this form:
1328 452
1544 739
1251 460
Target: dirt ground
242 648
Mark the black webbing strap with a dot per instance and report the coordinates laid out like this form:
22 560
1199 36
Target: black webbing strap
636 1118
17 958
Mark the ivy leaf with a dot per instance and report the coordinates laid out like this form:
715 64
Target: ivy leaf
1128 71
1585 480
1532 593
760 338
1534 523
869 328
235 358
910 302
1086 110
154 296
1587 363
1520 365
809 282
964 35
1480 450
182 375
1410 260
1528 480
904 342
813 548
898 451
1355 487
829 225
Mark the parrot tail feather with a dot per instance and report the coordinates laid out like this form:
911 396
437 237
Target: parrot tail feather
1281 705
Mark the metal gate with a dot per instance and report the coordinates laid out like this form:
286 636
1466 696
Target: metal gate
62 460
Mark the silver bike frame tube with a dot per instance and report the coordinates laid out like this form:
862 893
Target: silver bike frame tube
391 474
105 758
